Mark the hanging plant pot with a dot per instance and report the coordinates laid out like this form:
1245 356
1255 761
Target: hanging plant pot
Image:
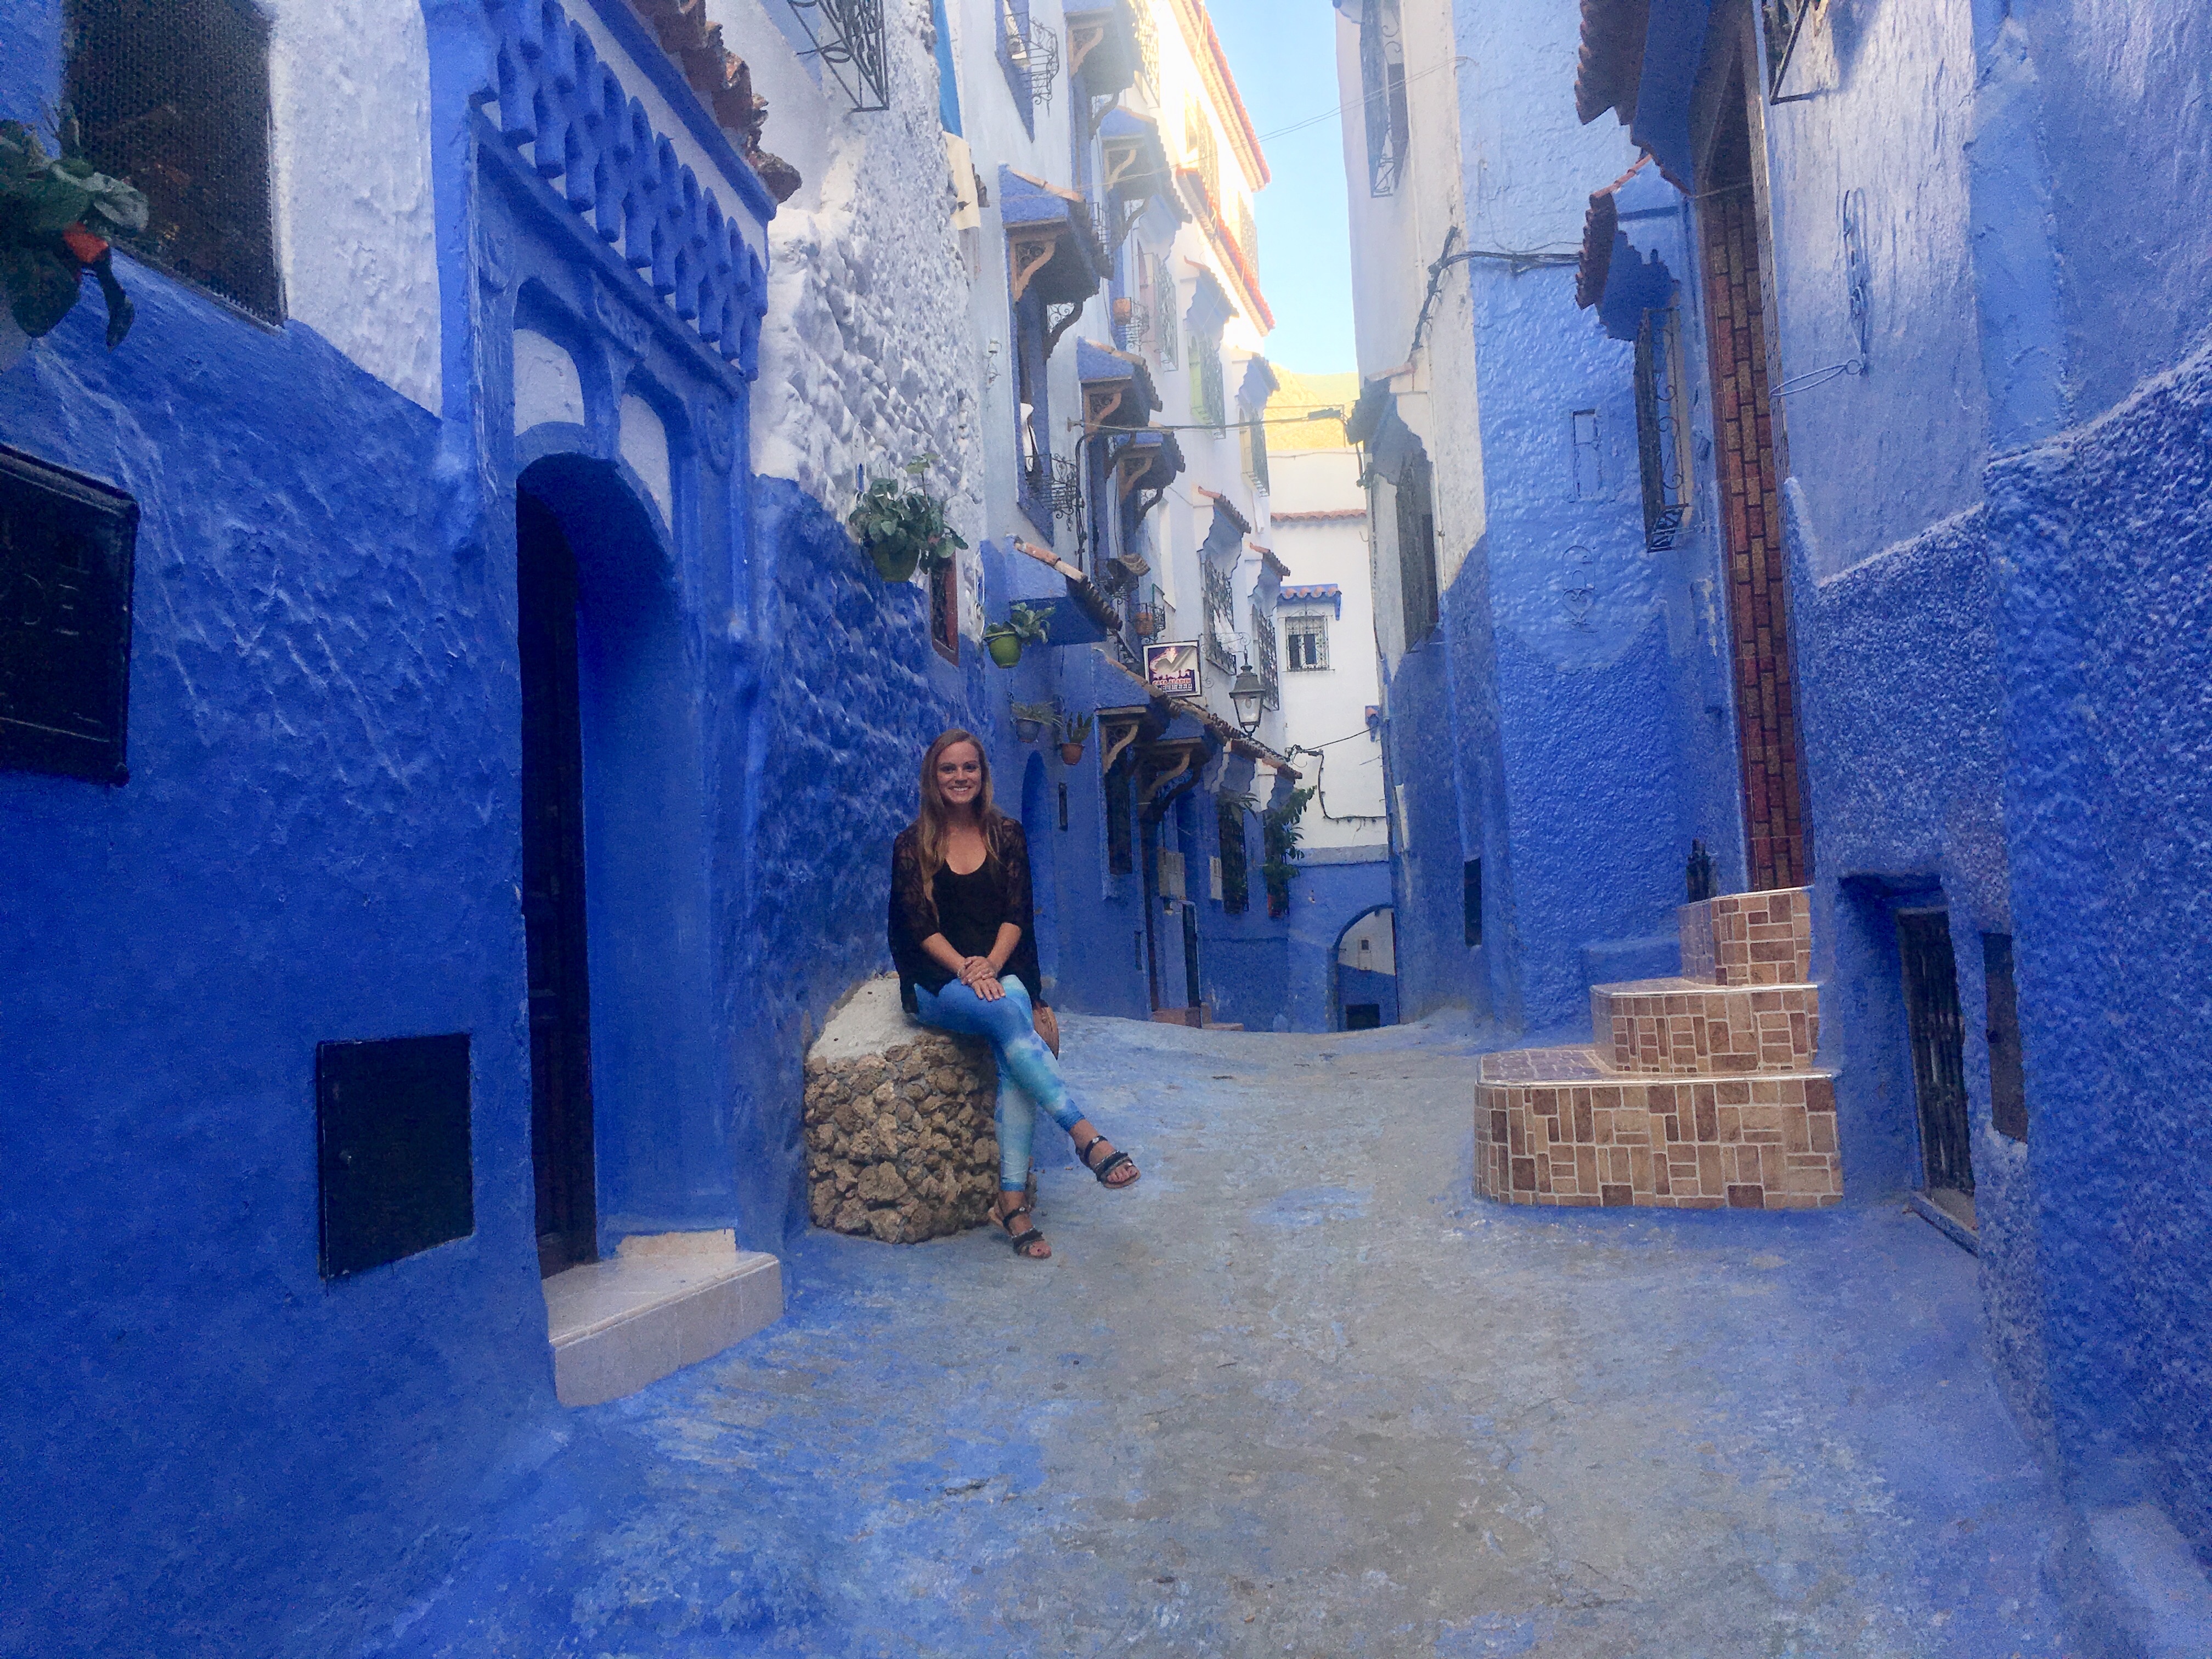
902 527
1071 752
894 561
1029 731
1004 645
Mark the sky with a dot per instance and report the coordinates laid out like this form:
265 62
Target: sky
1283 53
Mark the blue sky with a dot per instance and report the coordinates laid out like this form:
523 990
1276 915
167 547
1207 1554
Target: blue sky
1284 55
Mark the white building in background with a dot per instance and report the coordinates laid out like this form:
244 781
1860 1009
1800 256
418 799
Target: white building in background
1326 614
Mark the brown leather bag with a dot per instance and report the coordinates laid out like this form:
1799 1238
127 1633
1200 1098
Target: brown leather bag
1047 1028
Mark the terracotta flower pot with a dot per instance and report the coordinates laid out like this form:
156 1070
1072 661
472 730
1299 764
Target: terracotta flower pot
1071 752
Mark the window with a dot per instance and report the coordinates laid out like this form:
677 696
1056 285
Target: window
1470 898
1121 802
1207 405
1661 432
1235 863
1148 44
1417 549
1205 151
1029 53
1588 462
1382 91
1306 640
1220 616
944 612
1167 315
1032 413
2008 1081
174 95
1254 436
1263 659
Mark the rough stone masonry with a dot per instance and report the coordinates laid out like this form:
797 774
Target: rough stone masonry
900 1141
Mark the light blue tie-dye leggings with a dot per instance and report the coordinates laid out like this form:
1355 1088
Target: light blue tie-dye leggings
1025 1065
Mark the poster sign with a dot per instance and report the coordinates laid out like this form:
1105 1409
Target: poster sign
1172 671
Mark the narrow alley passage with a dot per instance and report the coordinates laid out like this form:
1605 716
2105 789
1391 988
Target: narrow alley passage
1299 1392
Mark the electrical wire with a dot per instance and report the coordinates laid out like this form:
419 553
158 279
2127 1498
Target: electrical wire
1375 97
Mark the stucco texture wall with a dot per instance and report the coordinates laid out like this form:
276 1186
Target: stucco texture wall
318 842
2106 538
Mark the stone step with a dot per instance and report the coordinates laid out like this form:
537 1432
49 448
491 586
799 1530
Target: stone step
1748 939
1691 1028
1555 1126
663 1302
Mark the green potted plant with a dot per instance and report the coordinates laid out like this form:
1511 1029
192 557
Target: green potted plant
903 525
1279 826
1030 720
56 213
1074 732
1024 625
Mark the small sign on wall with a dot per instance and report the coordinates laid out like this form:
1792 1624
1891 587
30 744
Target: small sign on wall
1172 671
66 547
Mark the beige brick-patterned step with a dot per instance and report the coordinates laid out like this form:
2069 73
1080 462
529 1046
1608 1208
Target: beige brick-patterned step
1552 1126
1684 1028
1749 938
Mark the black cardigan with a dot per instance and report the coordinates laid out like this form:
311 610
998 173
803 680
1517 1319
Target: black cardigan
914 913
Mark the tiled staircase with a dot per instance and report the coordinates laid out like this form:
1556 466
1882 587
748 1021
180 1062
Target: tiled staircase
1697 1092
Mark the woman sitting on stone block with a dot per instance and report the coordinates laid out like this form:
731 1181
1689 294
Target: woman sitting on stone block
963 940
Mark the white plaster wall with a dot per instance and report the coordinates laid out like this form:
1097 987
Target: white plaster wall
1320 707
349 94
645 445
547 386
866 358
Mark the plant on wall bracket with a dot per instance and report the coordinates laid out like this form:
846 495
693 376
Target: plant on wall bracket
903 525
53 209
1024 624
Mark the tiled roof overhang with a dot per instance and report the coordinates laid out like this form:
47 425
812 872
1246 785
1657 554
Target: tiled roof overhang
1214 67
1102 366
1136 160
1600 224
1053 245
1102 43
1313 593
722 80
1154 458
1611 65
1225 508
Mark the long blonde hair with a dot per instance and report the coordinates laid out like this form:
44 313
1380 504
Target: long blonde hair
934 818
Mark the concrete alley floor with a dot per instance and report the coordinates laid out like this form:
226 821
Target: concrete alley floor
1299 1392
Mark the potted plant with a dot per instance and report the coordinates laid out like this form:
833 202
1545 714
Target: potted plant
53 209
1279 826
1030 720
903 526
1024 625
1074 732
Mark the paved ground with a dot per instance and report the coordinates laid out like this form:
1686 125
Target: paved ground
1299 1393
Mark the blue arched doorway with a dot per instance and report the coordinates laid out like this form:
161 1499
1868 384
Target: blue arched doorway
615 857
1365 971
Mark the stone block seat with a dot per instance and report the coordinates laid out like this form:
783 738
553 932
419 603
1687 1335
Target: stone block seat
1696 1092
901 1145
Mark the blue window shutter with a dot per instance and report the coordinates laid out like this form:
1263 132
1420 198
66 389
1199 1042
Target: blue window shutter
948 81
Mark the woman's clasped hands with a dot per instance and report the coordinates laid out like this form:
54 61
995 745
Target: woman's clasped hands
980 976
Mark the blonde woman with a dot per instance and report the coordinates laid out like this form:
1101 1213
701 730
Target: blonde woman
963 937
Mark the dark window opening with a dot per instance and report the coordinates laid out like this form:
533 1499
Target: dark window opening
2008 1077
1363 1016
1589 456
1121 803
1470 895
1208 401
1382 92
1063 806
1936 1033
944 612
1661 429
1235 861
392 1132
1417 549
1033 413
1306 640
174 95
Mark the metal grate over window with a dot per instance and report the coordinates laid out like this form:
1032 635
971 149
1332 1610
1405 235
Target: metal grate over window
1382 93
1263 659
174 95
848 38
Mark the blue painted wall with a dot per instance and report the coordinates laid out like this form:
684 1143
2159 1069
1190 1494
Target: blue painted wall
2105 539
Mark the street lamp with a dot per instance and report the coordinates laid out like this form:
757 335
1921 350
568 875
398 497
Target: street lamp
1247 694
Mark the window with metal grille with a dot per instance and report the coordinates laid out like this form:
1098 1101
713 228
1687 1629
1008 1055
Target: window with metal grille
1029 53
944 611
1167 316
1205 150
1417 549
1235 861
1382 91
174 95
1255 437
1662 436
1220 616
1248 235
1208 406
1032 412
1148 43
1263 659
1306 640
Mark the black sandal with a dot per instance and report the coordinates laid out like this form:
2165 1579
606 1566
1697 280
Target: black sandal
1102 1170
1023 1240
